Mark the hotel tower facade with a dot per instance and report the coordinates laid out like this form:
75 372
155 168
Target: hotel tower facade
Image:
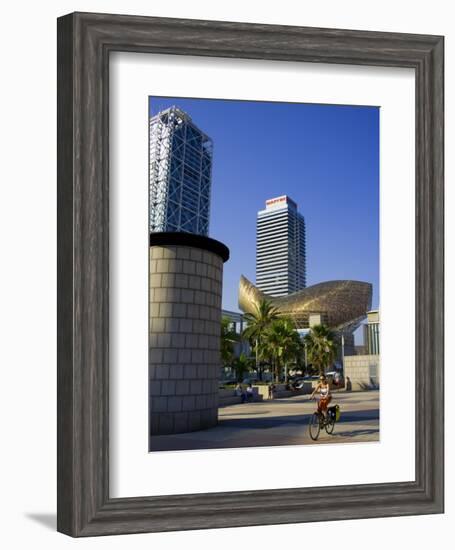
180 174
280 248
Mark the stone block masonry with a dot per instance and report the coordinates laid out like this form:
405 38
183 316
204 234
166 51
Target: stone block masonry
362 372
185 316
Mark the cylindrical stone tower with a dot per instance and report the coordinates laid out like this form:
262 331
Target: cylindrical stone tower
186 273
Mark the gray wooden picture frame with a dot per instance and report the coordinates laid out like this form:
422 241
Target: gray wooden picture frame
85 41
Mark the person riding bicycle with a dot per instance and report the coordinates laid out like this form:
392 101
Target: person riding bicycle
325 396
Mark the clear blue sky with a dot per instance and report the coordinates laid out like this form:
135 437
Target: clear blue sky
325 157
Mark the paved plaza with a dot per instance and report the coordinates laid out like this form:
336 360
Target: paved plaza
281 422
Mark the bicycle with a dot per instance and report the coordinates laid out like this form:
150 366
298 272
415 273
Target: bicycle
319 421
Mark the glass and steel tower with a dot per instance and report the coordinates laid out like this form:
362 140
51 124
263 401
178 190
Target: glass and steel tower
180 173
280 248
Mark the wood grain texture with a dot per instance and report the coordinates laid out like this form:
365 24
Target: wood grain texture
65 492
84 43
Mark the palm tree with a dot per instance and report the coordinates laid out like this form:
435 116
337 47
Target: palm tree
228 338
293 348
321 347
282 344
257 324
242 364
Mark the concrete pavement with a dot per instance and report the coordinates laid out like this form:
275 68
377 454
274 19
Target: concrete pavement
281 422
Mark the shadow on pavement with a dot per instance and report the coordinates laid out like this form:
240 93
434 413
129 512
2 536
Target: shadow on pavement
231 433
249 413
277 421
356 433
359 416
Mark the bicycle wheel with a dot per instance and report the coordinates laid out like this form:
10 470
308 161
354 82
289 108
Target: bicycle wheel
314 426
330 426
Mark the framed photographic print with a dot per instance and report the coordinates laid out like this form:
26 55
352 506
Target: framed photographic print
250 252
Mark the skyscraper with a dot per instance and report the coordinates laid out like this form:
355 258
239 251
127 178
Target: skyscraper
280 248
180 173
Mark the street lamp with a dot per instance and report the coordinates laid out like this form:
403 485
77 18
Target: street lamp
306 357
342 351
257 361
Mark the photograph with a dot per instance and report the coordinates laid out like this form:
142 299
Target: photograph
226 272
264 290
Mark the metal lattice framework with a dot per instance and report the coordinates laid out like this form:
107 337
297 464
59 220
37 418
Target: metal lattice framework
342 305
180 174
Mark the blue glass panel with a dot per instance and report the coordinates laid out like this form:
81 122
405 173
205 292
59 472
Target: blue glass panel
191 175
192 159
204 209
203 227
190 198
188 221
179 131
193 137
176 168
173 212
